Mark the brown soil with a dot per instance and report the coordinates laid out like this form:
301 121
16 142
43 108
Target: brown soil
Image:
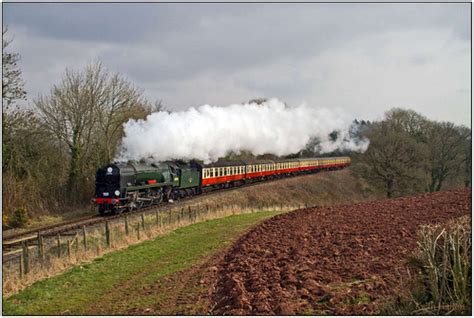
328 260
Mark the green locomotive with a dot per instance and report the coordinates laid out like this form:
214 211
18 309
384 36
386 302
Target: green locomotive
133 185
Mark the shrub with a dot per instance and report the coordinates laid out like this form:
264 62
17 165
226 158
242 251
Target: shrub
441 269
19 218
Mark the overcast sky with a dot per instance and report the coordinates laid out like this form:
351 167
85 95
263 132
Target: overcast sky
361 58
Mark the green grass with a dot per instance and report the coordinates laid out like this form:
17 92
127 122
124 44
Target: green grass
78 290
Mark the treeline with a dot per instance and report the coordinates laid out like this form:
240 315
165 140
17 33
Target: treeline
409 154
53 144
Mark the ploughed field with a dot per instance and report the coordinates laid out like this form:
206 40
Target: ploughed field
328 260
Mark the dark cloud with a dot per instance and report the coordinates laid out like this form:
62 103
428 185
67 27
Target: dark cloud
190 53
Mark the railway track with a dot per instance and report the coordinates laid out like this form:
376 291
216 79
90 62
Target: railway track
9 242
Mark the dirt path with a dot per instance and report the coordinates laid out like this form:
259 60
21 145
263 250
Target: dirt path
328 260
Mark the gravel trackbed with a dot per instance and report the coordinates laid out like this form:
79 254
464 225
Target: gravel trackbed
328 260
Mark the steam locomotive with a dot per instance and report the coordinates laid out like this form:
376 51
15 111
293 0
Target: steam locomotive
127 186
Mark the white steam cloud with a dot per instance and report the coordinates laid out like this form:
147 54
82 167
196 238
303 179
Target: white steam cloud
209 132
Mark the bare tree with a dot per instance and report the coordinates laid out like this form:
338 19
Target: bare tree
446 152
409 122
466 147
391 159
69 111
122 102
86 112
12 82
13 117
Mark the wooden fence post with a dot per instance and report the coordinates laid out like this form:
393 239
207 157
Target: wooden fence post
38 238
143 221
169 216
59 245
26 257
69 249
189 213
138 231
77 244
20 265
40 246
84 237
107 233
126 225
157 214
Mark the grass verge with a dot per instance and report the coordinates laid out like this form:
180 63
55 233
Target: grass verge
114 281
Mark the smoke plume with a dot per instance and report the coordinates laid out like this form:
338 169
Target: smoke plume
209 132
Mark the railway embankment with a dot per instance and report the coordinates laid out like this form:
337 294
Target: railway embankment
49 252
324 188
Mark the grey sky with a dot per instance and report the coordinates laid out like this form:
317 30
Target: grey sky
361 58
